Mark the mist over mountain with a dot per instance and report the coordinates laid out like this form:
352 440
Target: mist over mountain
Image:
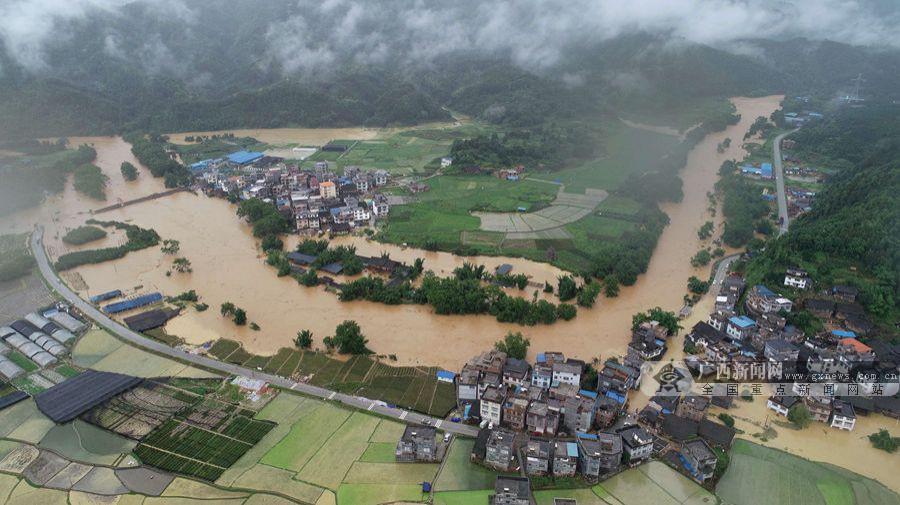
92 66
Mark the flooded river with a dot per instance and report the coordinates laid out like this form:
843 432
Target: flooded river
227 266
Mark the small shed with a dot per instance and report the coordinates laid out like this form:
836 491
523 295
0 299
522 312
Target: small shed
503 269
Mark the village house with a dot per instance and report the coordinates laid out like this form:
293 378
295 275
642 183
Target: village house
846 294
843 416
781 351
568 372
716 434
854 353
702 335
499 451
538 454
819 407
515 411
542 375
515 372
637 443
699 459
693 407
628 375
740 327
417 445
579 411
781 404
730 292
541 420
600 453
511 491
761 299
565 459
796 278
467 385
491 401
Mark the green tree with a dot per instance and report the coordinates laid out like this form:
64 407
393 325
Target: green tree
588 294
240 317
702 258
170 246
799 415
726 419
611 286
304 339
566 288
349 339
514 345
182 265
667 319
272 243
884 441
697 286
129 171
227 309
566 311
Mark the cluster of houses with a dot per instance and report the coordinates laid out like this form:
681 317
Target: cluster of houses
833 374
541 420
315 200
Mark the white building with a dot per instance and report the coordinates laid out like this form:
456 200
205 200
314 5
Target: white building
781 404
491 404
446 162
842 416
567 373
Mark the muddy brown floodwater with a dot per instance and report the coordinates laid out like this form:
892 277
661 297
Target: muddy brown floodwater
227 266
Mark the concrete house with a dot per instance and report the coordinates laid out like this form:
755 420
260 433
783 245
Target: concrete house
565 459
499 452
693 407
637 443
699 459
740 327
761 299
492 400
781 404
600 453
511 491
417 444
568 372
781 351
579 412
541 420
796 278
516 372
515 411
843 416
538 454
542 375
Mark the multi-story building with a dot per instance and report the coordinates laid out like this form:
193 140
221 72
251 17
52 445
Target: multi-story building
500 452
492 400
843 416
796 278
542 375
699 459
511 491
541 420
514 412
568 372
761 299
538 454
740 327
565 459
600 453
693 407
637 443
515 372
417 444
579 412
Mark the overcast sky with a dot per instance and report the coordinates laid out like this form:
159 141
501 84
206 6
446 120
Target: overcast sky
533 33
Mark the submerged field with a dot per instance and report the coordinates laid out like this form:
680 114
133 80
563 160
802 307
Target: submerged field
443 218
760 474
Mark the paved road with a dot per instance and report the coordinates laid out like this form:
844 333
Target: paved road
141 341
779 182
722 269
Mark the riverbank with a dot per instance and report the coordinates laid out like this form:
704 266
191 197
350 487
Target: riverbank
227 266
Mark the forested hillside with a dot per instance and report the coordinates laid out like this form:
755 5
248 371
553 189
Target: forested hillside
229 64
852 234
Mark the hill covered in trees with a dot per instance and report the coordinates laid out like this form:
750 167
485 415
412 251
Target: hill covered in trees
852 234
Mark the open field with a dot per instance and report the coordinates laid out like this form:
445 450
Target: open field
413 387
320 451
99 350
759 474
459 474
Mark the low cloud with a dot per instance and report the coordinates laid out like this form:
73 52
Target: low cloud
534 34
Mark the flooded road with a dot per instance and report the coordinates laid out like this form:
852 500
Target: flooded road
227 266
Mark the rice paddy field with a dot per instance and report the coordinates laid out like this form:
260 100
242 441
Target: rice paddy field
99 350
759 474
321 452
416 388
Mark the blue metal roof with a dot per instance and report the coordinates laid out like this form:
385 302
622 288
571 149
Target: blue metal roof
586 436
244 157
540 358
615 396
589 394
843 333
444 374
572 449
742 321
